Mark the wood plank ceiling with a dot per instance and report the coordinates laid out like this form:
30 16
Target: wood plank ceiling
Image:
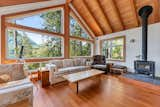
106 16
109 16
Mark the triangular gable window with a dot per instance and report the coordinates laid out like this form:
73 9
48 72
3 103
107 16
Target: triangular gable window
77 30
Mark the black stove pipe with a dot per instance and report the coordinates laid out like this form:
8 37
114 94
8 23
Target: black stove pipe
144 13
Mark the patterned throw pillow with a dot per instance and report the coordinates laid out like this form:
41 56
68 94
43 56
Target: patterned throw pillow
58 63
4 78
68 63
77 62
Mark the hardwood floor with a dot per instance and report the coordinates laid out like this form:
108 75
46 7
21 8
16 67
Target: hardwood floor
111 92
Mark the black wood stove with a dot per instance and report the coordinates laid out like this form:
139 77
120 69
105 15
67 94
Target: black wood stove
144 66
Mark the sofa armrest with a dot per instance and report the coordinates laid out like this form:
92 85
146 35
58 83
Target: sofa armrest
15 83
52 68
17 91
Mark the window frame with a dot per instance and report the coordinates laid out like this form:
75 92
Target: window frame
124 48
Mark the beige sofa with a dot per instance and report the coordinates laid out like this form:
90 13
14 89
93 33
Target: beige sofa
66 66
15 87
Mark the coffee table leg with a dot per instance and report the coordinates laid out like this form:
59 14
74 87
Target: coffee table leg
74 86
77 87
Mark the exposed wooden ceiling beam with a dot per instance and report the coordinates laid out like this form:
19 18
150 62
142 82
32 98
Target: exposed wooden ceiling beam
87 16
132 2
17 2
111 12
99 16
118 13
157 10
127 13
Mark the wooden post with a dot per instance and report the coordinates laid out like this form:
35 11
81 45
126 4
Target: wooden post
3 39
66 31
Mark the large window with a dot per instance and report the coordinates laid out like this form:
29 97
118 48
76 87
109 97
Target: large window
114 49
41 32
35 45
50 20
80 48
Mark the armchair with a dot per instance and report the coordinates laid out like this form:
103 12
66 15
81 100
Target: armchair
99 62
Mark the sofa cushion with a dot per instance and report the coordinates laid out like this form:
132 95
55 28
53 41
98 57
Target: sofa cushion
18 73
119 66
14 83
98 66
69 70
68 63
77 62
15 71
83 61
58 63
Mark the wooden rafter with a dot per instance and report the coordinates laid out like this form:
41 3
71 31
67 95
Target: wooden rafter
17 2
127 13
87 16
132 2
111 12
30 29
96 11
157 10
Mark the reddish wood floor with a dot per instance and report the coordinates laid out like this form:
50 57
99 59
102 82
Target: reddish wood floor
111 92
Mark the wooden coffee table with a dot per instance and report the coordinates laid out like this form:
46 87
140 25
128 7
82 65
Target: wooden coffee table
75 78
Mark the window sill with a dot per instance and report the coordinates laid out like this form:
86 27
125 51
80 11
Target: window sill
81 57
8 60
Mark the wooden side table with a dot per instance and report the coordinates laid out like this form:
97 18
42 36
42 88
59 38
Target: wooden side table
43 76
109 66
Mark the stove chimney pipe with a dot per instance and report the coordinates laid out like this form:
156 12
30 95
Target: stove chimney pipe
144 13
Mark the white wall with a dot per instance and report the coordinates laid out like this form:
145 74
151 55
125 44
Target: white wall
134 49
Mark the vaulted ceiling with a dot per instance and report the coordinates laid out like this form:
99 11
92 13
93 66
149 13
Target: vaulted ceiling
109 16
106 16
